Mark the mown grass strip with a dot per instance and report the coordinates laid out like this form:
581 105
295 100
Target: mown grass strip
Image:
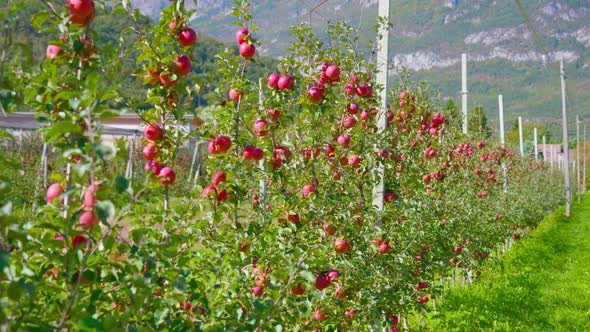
541 284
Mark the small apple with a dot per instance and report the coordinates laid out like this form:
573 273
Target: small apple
218 178
151 151
247 51
182 65
53 51
315 94
242 35
341 246
187 37
322 282
54 191
88 219
235 95
260 128
298 290
285 82
167 176
273 80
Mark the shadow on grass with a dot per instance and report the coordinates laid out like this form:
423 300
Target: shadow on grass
542 284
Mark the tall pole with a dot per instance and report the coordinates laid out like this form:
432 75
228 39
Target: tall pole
520 136
536 147
501 111
262 181
568 189
584 179
382 80
464 91
578 158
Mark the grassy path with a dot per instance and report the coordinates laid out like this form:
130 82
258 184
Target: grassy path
542 284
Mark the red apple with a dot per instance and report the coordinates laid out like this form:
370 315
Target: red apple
315 94
218 178
319 314
53 51
457 249
242 35
209 192
285 82
343 140
349 89
187 37
426 178
354 160
257 291
274 114
222 196
88 219
151 151
182 65
333 73
166 80
90 196
54 191
235 95
80 7
167 176
321 282
349 122
260 129
308 189
219 145
329 229
152 132
272 80
341 246
247 51
78 239
298 290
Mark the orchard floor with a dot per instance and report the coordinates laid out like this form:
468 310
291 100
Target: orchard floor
541 284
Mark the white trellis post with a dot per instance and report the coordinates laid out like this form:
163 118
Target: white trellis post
568 189
382 81
464 91
577 165
584 179
501 111
520 136
536 147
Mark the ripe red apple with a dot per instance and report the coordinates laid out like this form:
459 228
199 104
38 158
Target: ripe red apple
308 189
182 65
80 7
53 51
383 248
88 219
187 37
222 196
349 122
354 160
365 115
242 35
257 291
166 80
457 249
281 153
274 114
151 151
329 229
219 145
247 51
343 140
319 314
340 293
186 305
426 178
209 192
350 313
90 196
333 73
234 95
315 94
272 80
298 290
81 17
349 89
54 191
422 285
341 246
78 239
218 178
152 132
285 82
167 176
333 275
154 167
322 282
260 129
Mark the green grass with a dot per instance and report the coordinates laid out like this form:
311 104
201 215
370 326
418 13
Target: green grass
541 284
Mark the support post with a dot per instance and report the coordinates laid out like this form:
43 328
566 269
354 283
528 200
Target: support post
262 182
382 81
568 189
464 91
578 174
520 136
501 111
536 147
544 149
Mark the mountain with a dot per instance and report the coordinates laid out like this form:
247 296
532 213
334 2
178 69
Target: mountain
429 36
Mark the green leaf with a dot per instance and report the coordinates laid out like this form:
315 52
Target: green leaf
59 129
105 210
121 183
39 18
106 150
15 291
307 275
